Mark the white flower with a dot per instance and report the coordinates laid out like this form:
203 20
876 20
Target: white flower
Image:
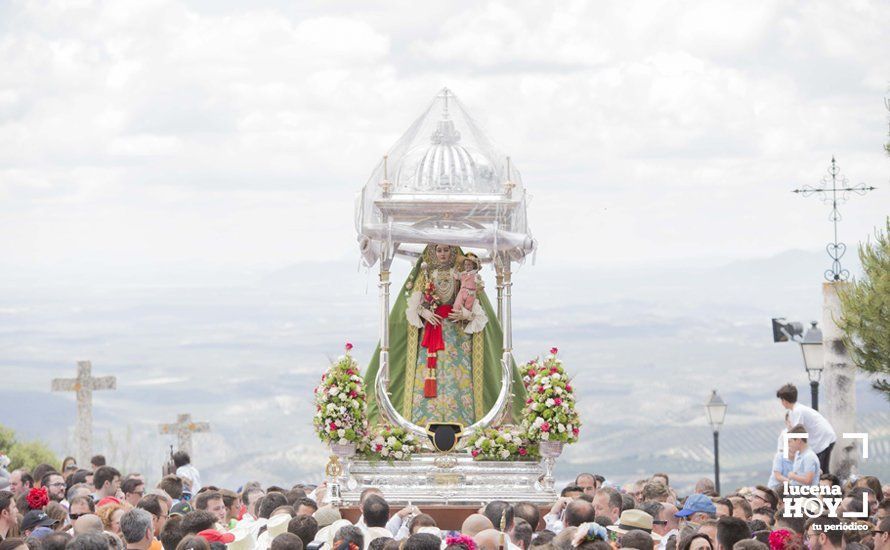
556 376
399 454
342 409
334 390
504 453
535 406
331 408
355 403
538 422
545 436
561 428
557 390
384 451
391 441
550 402
545 381
508 436
341 432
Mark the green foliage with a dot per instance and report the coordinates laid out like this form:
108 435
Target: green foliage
25 454
31 453
866 312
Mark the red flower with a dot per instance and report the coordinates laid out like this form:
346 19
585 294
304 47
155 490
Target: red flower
522 451
378 448
554 351
545 427
350 372
568 387
541 389
554 370
475 453
557 401
352 393
348 346
333 425
575 431
37 498
532 373
528 401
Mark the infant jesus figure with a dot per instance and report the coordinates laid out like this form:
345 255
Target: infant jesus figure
466 296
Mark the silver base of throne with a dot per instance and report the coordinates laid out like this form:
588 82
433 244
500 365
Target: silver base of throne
448 480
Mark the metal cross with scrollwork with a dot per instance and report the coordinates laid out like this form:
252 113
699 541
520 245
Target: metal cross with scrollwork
836 193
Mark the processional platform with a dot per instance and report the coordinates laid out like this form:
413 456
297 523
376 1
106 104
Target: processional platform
448 480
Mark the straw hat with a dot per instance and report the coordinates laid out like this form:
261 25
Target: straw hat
634 519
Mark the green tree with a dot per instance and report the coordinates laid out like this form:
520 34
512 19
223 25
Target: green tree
25 454
866 312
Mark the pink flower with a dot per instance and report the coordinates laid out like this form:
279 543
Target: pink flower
378 448
557 401
522 451
554 351
350 372
545 427
568 387
554 370
575 431
352 394
348 346
528 401
532 373
541 389
333 425
475 453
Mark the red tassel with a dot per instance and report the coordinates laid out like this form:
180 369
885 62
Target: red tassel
431 361
429 387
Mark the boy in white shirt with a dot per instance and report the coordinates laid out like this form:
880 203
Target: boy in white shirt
821 434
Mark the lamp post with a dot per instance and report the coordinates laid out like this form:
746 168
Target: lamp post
811 346
716 408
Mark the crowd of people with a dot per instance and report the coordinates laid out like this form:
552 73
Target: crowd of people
101 509
98 508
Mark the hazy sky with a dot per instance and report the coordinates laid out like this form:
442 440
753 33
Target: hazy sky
166 133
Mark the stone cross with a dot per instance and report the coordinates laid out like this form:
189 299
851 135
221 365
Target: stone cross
84 385
184 428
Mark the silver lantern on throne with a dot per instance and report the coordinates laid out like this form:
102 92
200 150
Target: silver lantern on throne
444 182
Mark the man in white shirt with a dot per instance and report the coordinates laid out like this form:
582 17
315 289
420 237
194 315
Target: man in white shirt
821 436
184 469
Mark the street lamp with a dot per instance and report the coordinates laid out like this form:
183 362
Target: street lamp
716 408
811 346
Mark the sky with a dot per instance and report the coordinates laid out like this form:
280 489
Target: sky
177 186
168 136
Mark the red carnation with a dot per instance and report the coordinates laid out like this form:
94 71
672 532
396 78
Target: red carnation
37 498
378 448
557 401
333 426
348 346
554 351
352 393
575 431
350 372
528 401
568 387
532 373
545 427
554 370
475 453
522 451
541 389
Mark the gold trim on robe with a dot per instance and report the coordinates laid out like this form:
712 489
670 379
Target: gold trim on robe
410 372
478 368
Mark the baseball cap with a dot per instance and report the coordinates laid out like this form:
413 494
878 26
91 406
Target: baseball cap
107 500
181 508
697 503
36 518
212 535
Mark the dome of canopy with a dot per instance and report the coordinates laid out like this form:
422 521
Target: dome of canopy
444 182
444 164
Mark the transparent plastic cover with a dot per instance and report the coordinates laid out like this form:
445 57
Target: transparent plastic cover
444 182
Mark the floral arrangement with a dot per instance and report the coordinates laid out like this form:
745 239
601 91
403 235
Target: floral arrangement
528 371
392 444
503 443
37 498
340 403
549 413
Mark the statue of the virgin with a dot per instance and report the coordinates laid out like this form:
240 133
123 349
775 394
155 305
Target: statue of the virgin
444 357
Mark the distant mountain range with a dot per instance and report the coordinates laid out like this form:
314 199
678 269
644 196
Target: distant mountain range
243 350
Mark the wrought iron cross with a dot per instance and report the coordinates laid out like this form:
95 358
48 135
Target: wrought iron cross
835 190
183 429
